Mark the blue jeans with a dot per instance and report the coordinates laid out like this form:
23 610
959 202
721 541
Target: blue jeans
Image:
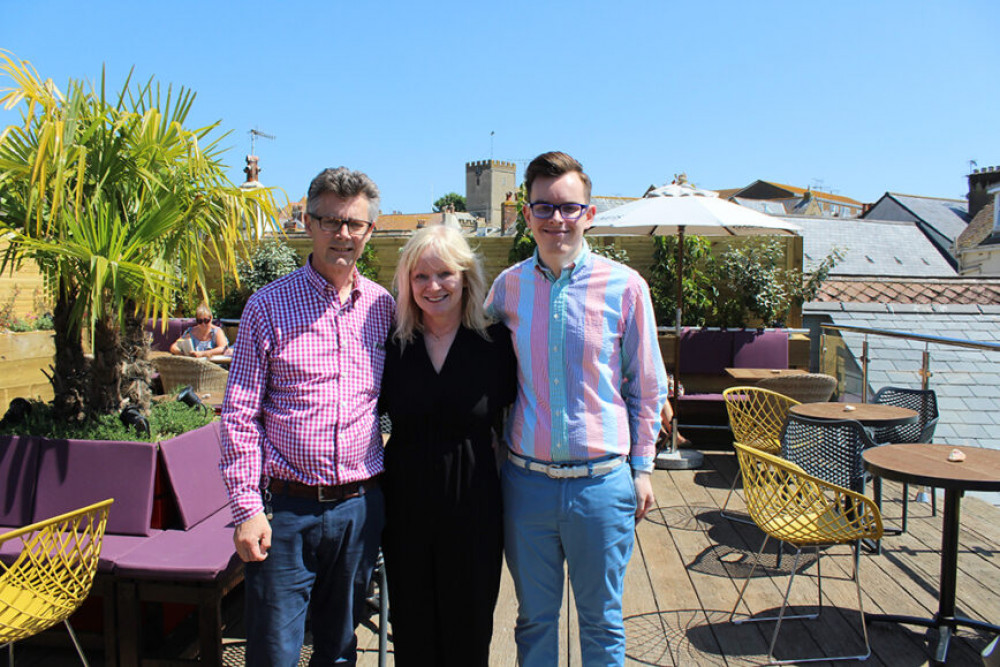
321 560
588 522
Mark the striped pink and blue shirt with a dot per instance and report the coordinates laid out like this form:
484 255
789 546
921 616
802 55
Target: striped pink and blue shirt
591 381
301 403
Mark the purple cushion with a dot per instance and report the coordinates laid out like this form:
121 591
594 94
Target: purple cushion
707 352
191 461
18 472
201 553
76 473
113 548
116 547
162 340
701 398
760 349
10 549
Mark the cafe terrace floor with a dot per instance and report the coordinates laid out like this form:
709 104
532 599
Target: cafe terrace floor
689 562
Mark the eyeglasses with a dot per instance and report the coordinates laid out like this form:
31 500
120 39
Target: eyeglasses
569 211
204 320
333 225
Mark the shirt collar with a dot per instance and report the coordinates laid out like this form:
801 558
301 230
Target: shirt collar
578 262
321 284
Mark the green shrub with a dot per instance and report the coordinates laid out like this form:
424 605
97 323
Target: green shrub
747 283
270 260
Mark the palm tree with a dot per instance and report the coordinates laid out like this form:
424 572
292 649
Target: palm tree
122 207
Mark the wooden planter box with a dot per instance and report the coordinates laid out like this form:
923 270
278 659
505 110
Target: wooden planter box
23 356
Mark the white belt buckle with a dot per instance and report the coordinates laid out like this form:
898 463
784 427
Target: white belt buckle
556 471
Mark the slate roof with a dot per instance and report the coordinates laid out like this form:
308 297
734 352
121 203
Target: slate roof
795 191
603 204
870 248
767 206
949 217
967 381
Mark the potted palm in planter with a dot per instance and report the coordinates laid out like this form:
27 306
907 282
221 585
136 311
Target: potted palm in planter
121 206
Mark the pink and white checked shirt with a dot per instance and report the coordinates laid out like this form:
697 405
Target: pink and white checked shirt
301 403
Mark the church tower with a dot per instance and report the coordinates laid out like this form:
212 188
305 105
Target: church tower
487 183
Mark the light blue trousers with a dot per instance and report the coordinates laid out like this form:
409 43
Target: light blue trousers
587 522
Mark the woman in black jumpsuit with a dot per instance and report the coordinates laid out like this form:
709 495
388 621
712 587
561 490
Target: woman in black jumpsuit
447 379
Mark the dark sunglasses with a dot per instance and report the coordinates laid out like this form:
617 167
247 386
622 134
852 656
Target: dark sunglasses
204 320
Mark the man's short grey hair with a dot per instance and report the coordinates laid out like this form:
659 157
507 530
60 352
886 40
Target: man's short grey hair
345 184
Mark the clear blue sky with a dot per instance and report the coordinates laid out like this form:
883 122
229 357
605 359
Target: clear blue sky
857 97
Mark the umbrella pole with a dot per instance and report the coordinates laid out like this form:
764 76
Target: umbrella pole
678 317
674 458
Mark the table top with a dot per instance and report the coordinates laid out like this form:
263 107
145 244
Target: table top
761 373
929 465
869 414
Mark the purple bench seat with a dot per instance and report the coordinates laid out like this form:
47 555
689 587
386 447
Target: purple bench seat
40 478
195 563
705 356
202 553
163 338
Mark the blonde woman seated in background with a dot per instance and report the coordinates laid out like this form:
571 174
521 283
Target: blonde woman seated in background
203 339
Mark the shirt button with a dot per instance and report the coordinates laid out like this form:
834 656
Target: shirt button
556 381
555 316
555 348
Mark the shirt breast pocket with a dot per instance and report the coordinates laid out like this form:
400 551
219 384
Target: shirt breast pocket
600 339
366 360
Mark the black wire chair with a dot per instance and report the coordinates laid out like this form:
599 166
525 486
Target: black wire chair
924 401
829 449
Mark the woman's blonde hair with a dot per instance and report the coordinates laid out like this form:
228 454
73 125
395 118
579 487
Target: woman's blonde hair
452 249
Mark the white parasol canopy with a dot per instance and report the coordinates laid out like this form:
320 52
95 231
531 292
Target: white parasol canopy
663 211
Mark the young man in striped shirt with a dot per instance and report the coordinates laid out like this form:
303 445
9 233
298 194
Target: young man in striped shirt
582 433
301 445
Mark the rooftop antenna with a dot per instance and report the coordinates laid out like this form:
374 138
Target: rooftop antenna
491 144
254 133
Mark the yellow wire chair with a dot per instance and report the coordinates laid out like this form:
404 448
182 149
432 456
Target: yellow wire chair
756 417
52 575
803 511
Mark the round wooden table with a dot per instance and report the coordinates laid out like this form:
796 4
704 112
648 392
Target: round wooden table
929 465
869 414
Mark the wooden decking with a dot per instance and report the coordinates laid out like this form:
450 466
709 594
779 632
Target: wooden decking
689 562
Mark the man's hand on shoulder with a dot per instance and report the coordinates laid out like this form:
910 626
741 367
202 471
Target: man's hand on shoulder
644 498
253 538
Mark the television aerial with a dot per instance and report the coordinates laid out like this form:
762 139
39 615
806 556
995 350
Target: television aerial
254 133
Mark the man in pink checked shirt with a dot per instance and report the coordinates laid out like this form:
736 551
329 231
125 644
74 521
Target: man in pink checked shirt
301 444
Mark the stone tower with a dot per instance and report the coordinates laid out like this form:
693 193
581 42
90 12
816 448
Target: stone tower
487 183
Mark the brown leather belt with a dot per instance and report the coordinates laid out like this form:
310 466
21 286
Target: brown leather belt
324 494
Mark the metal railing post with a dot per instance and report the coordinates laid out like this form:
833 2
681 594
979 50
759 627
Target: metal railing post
925 369
864 370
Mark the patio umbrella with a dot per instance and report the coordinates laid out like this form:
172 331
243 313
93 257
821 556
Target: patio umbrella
680 208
